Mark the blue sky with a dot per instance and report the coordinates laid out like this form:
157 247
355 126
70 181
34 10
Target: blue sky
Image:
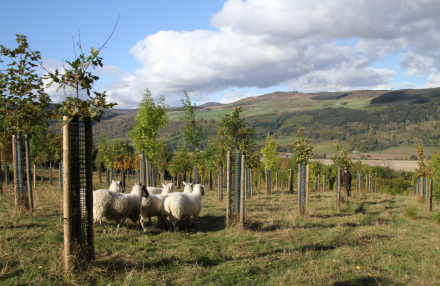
227 50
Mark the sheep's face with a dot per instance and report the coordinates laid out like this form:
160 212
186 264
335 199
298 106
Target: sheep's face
121 186
145 192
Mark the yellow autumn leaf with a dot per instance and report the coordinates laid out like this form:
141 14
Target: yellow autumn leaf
358 267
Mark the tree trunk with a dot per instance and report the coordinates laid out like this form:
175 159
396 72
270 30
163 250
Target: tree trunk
228 189
50 173
28 173
242 188
291 181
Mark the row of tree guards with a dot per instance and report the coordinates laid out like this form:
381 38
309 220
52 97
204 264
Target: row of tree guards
423 189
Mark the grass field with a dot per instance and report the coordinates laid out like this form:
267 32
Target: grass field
375 240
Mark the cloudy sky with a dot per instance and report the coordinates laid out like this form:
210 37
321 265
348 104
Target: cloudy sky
226 50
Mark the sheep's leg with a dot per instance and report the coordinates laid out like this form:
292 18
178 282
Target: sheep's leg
119 224
158 221
141 221
150 220
173 224
101 223
164 223
138 227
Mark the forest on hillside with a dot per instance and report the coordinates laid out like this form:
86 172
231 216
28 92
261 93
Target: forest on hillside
373 128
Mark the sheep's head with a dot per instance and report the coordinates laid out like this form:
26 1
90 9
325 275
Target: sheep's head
170 186
202 188
121 186
145 192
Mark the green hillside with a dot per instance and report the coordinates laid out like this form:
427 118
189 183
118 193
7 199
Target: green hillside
357 119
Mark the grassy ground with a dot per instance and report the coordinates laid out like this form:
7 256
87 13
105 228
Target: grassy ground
375 240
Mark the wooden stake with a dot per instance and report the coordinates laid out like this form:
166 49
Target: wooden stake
50 173
147 171
220 183
66 198
299 188
242 189
28 173
228 188
34 173
307 190
338 192
430 195
14 156
291 181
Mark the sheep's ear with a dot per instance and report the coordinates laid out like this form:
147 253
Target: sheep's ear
184 183
202 186
113 181
163 185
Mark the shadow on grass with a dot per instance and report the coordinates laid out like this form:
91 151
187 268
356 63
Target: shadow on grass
122 263
18 226
368 280
206 223
332 215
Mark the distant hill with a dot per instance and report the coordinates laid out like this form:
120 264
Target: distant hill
208 104
409 96
363 120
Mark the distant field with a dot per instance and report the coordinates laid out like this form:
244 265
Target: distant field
393 164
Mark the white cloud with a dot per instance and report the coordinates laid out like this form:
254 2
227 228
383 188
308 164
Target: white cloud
294 44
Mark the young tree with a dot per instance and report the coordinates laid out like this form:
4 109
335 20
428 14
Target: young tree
150 119
79 80
181 162
270 154
303 151
343 159
233 132
434 165
23 102
192 133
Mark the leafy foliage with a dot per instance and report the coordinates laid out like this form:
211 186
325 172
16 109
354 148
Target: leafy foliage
192 133
77 78
23 102
270 154
434 165
151 118
233 132
46 146
343 159
181 161
114 154
303 151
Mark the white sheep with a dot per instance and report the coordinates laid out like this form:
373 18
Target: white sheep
154 190
111 206
158 191
188 188
183 205
115 186
152 205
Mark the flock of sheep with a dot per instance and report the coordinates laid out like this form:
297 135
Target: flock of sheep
146 202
